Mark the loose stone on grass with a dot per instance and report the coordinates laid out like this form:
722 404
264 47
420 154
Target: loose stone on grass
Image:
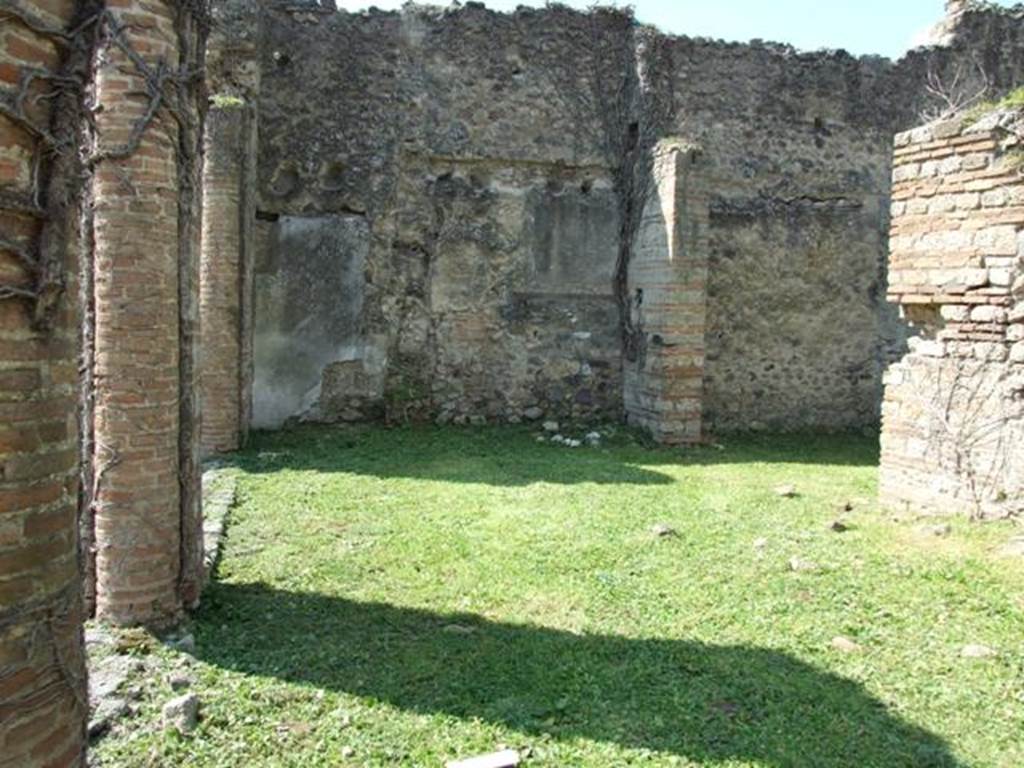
787 491
182 714
975 651
798 565
941 531
846 645
508 758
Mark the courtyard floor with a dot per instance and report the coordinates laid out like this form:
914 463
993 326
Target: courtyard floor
406 597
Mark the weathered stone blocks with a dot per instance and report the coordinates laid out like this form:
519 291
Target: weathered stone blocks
953 416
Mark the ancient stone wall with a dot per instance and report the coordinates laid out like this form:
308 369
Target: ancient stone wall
797 150
469 145
475 145
953 428
42 671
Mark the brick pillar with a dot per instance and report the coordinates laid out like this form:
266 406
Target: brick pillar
224 262
953 414
663 389
145 516
42 670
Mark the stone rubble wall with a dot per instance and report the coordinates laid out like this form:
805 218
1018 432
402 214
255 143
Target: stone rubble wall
953 415
468 144
472 143
42 669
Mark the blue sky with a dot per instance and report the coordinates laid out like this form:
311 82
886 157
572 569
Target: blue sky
887 27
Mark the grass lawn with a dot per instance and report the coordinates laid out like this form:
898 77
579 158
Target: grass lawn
406 597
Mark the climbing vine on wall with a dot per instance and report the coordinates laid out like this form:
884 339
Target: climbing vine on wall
626 86
62 158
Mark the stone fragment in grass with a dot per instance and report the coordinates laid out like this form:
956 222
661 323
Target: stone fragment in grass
845 644
185 644
573 443
942 530
106 714
182 714
550 426
348 752
663 531
1015 548
798 565
974 651
760 544
839 526
459 629
786 491
180 682
507 758
593 438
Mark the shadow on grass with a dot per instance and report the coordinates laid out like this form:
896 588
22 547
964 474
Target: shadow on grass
702 702
511 456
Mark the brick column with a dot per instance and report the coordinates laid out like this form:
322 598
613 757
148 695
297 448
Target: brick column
224 258
42 671
668 282
145 517
953 415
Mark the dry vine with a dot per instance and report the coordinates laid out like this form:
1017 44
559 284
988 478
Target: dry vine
969 430
627 88
968 87
174 103
55 185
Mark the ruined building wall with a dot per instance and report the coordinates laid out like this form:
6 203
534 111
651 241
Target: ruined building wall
438 220
42 671
953 428
438 216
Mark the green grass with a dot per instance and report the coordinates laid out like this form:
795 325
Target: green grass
1013 100
405 597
